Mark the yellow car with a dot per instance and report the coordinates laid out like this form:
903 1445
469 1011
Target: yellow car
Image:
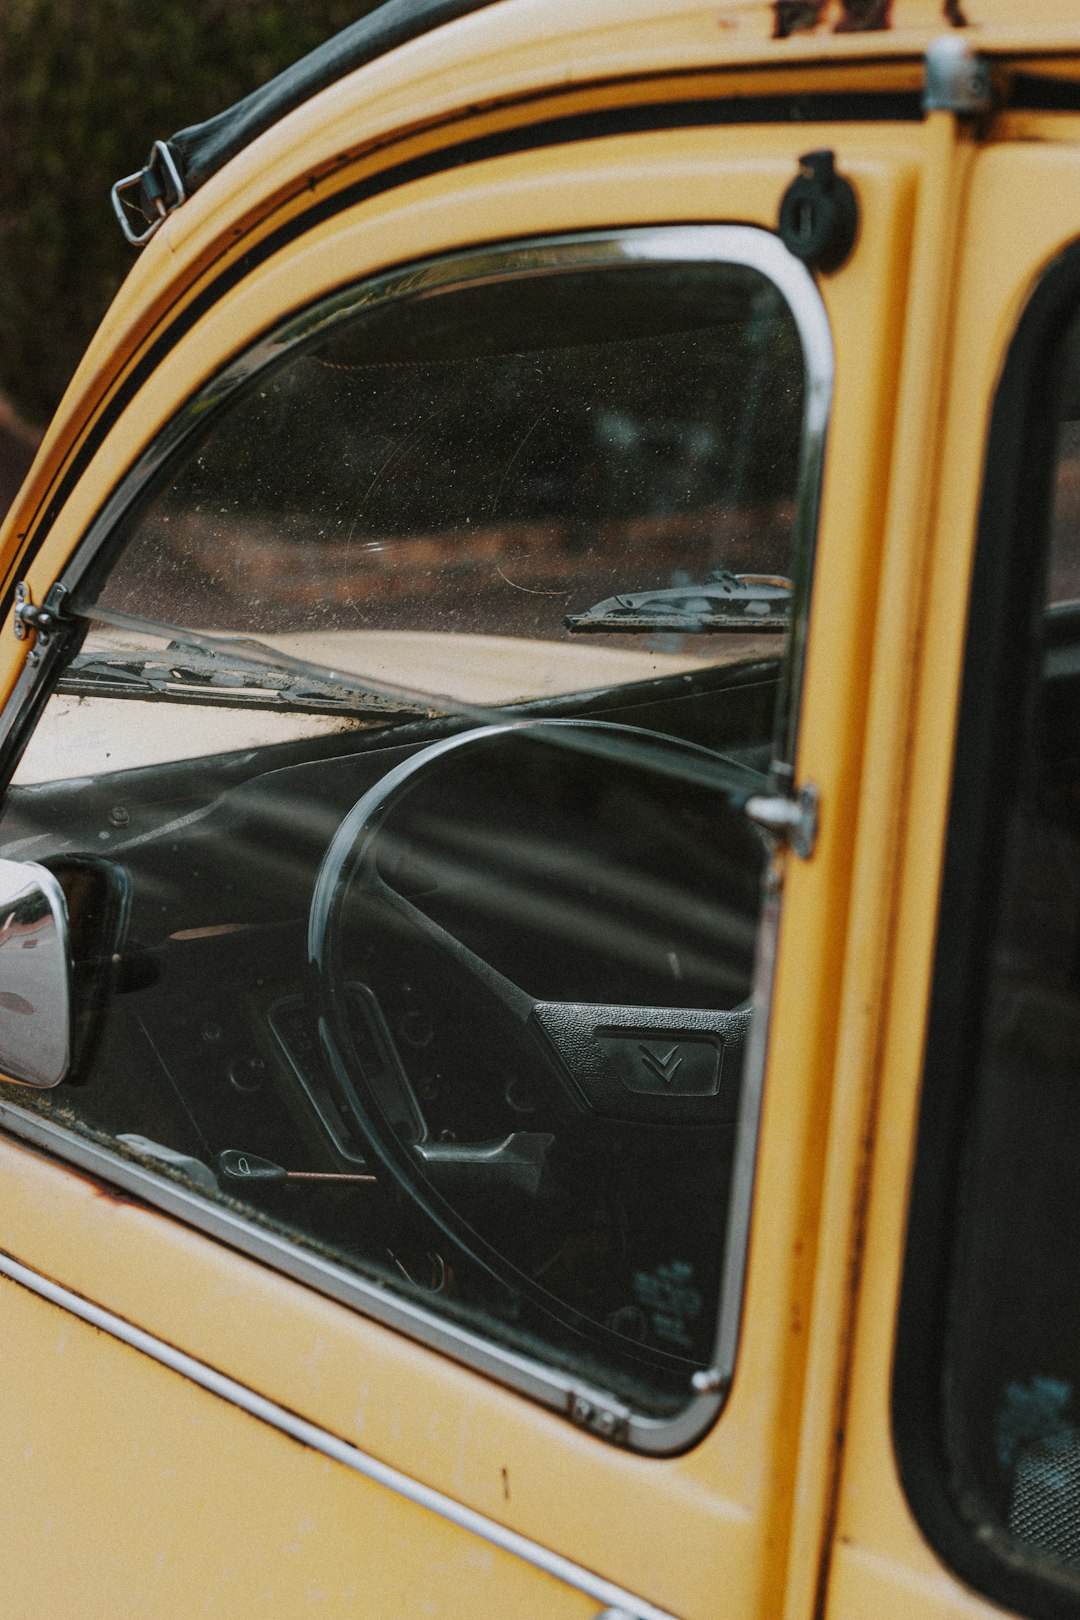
540 856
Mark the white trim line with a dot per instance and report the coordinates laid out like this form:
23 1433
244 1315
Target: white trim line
308 1434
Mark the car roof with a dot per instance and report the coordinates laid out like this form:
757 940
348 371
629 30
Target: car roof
179 166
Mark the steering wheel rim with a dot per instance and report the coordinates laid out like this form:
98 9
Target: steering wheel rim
349 865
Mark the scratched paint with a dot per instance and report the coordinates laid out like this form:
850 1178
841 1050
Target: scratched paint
796 16
854 16
864 16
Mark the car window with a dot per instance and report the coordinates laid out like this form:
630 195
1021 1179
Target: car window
428 666
1001 1128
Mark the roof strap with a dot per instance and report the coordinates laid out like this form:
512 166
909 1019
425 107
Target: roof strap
178 167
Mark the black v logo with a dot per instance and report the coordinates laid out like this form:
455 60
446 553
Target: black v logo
664 1068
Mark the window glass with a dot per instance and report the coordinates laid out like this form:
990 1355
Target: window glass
418 703
1012 1353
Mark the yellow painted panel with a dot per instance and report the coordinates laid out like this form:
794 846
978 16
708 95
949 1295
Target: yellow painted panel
129 1492
1023 206
898 1587
661 1528
684 1530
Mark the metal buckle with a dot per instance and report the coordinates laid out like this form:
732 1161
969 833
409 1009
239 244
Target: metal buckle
48 624
160 190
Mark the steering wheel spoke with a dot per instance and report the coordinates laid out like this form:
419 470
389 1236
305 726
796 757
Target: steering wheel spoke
654 1065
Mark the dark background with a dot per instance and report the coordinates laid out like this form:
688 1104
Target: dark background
86 86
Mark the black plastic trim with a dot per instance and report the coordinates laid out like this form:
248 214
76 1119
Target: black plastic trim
201 149
759 109
1036 92
995 702
853 107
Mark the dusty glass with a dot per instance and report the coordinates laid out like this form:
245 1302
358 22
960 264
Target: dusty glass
422 692
1012 1370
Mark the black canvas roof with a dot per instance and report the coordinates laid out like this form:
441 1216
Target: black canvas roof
180 165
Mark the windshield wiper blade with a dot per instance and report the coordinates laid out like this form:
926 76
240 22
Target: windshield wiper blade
725 601
183 674
246 653
702 765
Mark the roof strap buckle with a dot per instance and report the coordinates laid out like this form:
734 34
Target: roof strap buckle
149 195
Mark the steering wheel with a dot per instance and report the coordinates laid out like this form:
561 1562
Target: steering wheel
518 938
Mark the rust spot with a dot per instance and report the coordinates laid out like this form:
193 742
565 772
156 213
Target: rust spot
954 13
105 1191
796 17
10 1002
864 16
112 1195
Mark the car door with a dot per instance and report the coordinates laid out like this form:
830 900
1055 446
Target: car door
957 1494
427 1223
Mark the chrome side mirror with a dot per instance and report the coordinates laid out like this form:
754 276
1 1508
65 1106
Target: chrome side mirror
35 976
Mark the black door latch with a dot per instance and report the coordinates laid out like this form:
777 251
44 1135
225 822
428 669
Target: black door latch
819 216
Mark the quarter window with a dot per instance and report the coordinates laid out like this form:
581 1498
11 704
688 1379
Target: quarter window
422 687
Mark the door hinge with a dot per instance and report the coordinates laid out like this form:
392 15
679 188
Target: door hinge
789 820
958 78
42 621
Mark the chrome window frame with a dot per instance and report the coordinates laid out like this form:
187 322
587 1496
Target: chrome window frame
749 247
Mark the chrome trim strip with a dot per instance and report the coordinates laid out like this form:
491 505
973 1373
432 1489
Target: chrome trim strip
752 248
329 1445
744 1164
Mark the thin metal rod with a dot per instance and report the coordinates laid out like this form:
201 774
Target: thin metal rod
340 1451
324 1175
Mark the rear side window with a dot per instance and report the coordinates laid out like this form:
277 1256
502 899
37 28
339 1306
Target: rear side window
987 1381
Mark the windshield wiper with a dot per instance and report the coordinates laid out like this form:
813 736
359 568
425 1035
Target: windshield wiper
271 675
725 601
184 674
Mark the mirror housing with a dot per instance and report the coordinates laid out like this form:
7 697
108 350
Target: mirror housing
35 976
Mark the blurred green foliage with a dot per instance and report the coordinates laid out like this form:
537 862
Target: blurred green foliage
85 87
